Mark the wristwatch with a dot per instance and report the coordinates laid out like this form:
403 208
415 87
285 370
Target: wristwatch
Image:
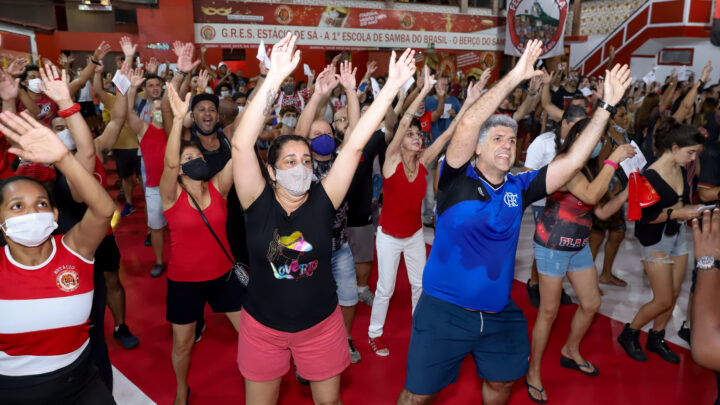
707 263
611 109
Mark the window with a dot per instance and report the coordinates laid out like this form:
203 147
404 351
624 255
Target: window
676 56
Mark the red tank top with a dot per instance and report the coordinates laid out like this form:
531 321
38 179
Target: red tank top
565 223
194 253
401 214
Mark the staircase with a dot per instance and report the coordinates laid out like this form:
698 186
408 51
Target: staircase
654 19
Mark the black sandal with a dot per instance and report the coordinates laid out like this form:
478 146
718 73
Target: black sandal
540 391
572 365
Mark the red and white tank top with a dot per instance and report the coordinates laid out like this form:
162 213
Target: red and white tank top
44 311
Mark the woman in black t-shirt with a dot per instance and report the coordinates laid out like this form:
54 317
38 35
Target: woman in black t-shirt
291 307
662 234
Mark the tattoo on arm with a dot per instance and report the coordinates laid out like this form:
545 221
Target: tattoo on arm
269 102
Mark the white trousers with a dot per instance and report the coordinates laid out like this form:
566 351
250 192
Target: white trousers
388 256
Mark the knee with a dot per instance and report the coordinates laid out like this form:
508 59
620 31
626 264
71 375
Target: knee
182 346
408 398
499 386
616 237
591 305
548 313
664 302
112 282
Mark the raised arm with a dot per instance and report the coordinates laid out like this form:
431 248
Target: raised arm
666 98
338 179
462 146
530 101
249 182
205 66
562 169
440 94
591 192
87 73
56 87
8 91
393 150
348 81
326 81
134 122
37 143
118 115
553 112
706 301
686 105
169 186
98 89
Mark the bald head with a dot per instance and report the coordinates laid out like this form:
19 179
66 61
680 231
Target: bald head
228 111
319 127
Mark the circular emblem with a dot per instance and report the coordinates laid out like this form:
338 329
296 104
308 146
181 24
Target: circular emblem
207 32
283 14
68 280
536 19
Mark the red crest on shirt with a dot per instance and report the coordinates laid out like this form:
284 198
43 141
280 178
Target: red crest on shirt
68 280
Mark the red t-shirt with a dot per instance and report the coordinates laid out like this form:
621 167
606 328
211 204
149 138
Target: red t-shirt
48 109
153 145
426 121
401 215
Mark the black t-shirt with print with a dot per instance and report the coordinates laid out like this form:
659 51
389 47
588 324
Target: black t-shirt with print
360 193
339 228
291 283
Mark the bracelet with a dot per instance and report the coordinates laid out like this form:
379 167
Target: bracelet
263 75
669 212
95 61
611 163
532 94
69 111
181 72
409 114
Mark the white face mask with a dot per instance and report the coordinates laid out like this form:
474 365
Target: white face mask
35 85
295 180
240 108
225 93
289 122
30 229
67 139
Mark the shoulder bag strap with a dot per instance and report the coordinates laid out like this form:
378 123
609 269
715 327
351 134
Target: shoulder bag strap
209 227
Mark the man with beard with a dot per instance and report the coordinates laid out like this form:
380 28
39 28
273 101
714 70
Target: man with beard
566 91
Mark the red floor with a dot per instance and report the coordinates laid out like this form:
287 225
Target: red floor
214 377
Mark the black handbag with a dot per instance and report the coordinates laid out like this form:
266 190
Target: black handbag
239 269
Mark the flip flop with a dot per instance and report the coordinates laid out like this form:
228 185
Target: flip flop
531 387
572 365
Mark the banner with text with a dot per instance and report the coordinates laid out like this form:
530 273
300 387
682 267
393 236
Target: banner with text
535 19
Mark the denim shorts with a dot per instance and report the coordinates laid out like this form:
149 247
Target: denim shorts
343 269
675 245
556 263
443 334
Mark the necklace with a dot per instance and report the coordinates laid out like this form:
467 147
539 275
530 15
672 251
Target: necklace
410 171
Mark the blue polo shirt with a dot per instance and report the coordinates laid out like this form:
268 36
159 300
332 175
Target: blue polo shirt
439 126
472 261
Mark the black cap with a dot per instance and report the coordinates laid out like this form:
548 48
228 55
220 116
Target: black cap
204 97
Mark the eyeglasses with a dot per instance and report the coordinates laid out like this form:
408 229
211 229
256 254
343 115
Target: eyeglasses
341 119
414 135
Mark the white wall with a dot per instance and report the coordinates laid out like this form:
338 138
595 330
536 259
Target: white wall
704 51
579 50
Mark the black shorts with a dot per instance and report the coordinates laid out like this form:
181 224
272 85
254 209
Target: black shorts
127 161
186 299
107 255
87 109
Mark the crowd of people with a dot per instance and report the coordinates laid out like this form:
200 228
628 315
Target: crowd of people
275 183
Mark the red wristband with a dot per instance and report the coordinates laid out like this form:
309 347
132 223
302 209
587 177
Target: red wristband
69 111
611 163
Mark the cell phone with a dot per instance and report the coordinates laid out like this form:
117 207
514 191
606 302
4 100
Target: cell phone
707 207
362 86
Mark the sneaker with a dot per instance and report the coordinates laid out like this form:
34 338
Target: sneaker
379 347
199 329
564 298
354 353
123 335
157 270
656 343
127 210
148 242
684 333
366 297
629 339
533 292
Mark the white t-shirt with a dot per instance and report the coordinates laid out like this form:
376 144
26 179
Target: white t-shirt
540 153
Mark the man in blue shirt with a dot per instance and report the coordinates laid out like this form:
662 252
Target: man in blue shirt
466 306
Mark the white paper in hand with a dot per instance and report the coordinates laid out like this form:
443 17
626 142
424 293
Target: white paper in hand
683 74
635 163
586 92
446 111
375 86
262 54
307 70
649 78
407 84
121 82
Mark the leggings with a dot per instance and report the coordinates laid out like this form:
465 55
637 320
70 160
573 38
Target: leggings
98 347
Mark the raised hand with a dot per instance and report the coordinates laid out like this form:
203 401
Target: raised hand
284 58
427 82
326 81
371 67
347 76
179 107
177 48
185 61
400 70
33 141
55 85
128 47
152 65
65 60
126 69
622 152
8 86
616 81
599 89
203 79
137 78
525 67
474 92
101 51
705 75
336 59
17 67
263 68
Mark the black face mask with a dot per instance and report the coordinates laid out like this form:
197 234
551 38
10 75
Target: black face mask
196 169
199 130
288 89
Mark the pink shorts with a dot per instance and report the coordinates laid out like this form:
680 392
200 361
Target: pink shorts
320 352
